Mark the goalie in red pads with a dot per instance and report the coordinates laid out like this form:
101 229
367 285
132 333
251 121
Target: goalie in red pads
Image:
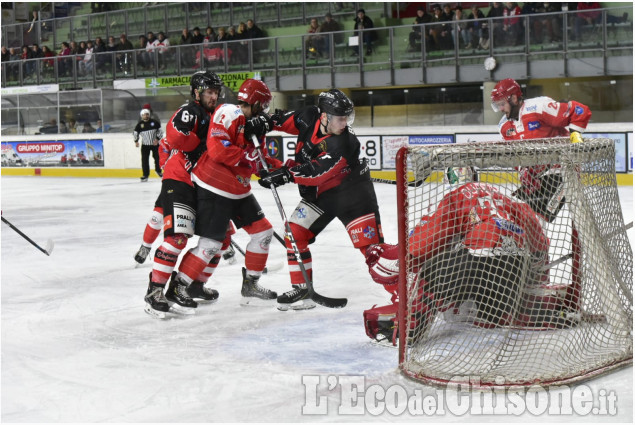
479 248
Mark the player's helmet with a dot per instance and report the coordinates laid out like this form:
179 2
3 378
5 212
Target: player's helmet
336 103
255 93
459 175
202 80
143 113
503 91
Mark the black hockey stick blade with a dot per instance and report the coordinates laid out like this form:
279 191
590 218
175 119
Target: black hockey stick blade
49 243
415 183
328 301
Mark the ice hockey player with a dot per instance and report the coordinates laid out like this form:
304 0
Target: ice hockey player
332 181
149 131
478 246
185 141
538 118
222 178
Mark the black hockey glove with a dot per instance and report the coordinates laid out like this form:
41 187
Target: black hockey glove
258 125
276 178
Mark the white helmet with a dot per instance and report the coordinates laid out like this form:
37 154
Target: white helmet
145 111
459 175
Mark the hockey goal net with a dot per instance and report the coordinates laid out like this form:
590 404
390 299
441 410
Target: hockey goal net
506 327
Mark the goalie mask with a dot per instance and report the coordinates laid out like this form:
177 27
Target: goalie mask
459 175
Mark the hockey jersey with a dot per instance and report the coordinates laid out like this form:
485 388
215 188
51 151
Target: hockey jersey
478 217
543 117
185 140
322 162
223 169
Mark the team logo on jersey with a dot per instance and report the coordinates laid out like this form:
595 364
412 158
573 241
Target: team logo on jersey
322 146
531 108
533 125
369 232
167 222
143 125
226 143
300 213
508 226
243 181
579 110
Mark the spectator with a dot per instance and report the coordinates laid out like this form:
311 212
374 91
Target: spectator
588 14
459 29
152 46
163 48
440 33
512 25
222 35
100 128
27 65
496 11
50 128
88 128
414 38
142 54
240 47
72 125
101 58
477 28
210 36
324 43
64 63
363 22
197 37
36 53
5 54
187 54
311 41
124 59
63 129
254 32
112 47
48 64
547 28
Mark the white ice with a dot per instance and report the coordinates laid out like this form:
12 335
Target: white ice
78 347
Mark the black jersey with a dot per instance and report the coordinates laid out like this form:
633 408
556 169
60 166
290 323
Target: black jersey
322 162
187 130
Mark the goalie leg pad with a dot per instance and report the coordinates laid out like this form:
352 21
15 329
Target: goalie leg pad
381 323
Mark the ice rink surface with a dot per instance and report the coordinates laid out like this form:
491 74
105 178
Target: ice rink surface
78 347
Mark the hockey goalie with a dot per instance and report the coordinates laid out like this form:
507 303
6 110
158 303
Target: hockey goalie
473 256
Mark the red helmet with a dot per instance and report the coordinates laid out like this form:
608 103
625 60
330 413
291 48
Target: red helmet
255 92
503 91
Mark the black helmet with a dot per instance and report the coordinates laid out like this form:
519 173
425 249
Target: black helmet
336 103
202 80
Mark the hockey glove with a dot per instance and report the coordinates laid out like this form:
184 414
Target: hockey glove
575 137
258 126
275 178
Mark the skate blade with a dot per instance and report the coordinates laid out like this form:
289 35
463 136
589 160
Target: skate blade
179 309
154 313
256 302
298 305
204 301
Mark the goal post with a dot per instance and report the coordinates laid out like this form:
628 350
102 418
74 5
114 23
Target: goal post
560 321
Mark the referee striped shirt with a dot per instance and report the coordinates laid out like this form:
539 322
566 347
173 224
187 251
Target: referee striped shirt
148 131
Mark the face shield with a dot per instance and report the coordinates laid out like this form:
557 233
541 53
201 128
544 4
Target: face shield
499 105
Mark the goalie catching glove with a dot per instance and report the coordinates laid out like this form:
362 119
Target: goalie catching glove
276 178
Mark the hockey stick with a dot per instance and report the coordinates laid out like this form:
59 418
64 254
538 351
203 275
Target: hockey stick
239 249
319 299
49 243
415 183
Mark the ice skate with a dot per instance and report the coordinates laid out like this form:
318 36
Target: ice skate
142 254
253 293
296 299
199 290
156 304
178 297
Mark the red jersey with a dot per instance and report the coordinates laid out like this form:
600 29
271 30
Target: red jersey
543 117
483 220
185 139
223 169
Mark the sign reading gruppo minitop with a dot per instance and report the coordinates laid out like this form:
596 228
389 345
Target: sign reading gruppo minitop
53 153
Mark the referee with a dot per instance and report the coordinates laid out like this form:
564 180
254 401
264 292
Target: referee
149 131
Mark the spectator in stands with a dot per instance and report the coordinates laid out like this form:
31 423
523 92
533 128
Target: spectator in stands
142 54
459 30
197 37
234 45
151 49
101 58
253 32
545 28
210 35
440 33
163 49
124 60
222 35
513 29
48 64
476 28
187 55
5 54
414 38
240 47
86 65
88 128
50 128
496 10
63 60
100 128
587 15
324 43
311 41
363 22
36 53
63 129
72 125
27 65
